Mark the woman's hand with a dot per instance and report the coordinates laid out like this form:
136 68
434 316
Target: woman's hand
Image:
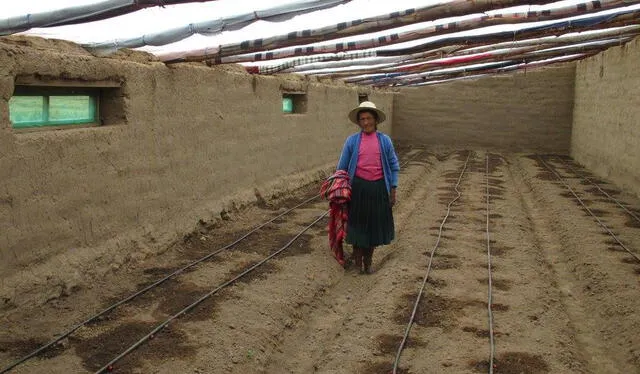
392 197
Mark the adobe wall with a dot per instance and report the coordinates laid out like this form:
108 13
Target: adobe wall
606 126
525 111
189 142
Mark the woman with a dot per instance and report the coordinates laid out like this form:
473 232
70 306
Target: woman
369 158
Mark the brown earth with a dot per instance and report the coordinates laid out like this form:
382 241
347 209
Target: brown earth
564 290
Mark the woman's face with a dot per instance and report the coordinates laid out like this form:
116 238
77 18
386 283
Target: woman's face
367 122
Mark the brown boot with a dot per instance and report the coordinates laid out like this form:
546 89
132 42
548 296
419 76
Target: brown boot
367 260
357 258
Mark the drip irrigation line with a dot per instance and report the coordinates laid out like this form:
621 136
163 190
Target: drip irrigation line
589 210
566 164
109 365
144 290
489 296
426 277
157 283
412 157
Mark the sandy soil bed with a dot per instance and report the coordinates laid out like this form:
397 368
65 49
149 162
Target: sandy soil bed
564 295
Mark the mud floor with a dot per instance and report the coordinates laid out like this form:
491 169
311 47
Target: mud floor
559 247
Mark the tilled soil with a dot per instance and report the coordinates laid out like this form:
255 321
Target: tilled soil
560 248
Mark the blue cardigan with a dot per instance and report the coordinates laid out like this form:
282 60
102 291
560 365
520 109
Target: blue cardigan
390 166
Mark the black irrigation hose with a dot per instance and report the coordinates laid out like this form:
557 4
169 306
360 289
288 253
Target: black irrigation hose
155 284
412 157
566 164
489 296
589 210
144 290
424 281
161 326
109 365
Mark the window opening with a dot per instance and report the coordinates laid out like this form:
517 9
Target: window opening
294 103
40 105
33 110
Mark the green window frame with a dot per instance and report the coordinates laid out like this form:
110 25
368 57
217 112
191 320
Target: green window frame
294 102
287 104
38 107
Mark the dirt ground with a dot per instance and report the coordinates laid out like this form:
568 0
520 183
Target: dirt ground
564 295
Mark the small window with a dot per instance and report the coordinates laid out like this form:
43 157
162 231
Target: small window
48 104
287 104
363 98
38 107
294 103
37 110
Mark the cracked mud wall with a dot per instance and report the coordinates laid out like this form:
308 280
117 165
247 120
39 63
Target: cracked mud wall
187 143
606 127
525 111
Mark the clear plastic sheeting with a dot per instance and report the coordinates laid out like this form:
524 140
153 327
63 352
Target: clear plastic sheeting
463 57
428 12
25 22
215 26
289 43
369 42
492 71
227 53
573 37
491 35
412 74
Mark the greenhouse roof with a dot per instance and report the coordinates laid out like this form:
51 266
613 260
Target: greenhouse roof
379 43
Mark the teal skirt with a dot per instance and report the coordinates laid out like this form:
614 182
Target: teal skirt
370 214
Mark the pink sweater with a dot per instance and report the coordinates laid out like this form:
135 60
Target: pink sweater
369 162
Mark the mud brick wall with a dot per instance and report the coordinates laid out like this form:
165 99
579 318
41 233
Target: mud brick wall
526 111
187 142
606 126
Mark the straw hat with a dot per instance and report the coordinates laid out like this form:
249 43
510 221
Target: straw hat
353 114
